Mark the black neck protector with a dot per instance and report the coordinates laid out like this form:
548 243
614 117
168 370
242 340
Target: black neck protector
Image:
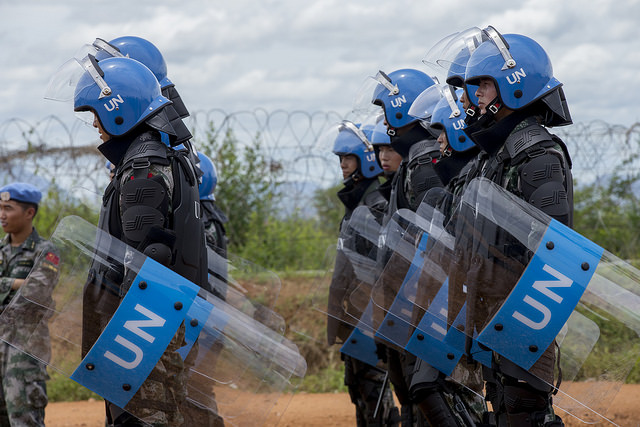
449 167
490 135
402 144
351 195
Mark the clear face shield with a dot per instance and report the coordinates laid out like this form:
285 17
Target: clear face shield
363 102
451 97
64 83
68 80
423 106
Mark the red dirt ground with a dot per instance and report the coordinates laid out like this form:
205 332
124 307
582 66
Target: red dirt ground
315 410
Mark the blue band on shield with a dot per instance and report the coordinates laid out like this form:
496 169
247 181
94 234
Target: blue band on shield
360 343
427 341
397 322
544 297
138 334
196 318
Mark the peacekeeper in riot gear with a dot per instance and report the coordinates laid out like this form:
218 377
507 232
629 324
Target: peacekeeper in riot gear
360 171
148 54
445 402
151 204
395 93
519 98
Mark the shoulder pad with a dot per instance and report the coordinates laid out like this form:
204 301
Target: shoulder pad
525 138
147 146
424 151
375 200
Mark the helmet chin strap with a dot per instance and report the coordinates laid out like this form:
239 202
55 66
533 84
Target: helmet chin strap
353 178
494 106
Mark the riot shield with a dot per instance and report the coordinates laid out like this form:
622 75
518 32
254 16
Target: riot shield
519 283
146 339
246 287
350 267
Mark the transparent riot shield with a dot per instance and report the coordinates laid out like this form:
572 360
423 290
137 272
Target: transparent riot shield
360 245
247 287
350 267
519 284
146 339
406 239
242 284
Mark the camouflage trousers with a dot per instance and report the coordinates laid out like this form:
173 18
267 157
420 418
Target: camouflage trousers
23 395
158 401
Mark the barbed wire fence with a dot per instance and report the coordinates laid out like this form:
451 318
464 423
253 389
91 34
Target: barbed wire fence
64 152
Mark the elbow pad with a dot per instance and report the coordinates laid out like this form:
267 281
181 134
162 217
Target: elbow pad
542 185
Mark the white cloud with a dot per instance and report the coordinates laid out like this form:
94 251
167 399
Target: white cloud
314 55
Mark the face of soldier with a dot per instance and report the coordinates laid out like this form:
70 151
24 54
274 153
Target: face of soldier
486 93
443 141
348 164
464 100
389 159
14 217
104 136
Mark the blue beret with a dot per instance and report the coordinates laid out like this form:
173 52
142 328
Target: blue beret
20 192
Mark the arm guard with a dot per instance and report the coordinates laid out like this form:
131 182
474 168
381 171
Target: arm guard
542 181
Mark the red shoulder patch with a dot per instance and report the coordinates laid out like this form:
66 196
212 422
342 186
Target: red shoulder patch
52 258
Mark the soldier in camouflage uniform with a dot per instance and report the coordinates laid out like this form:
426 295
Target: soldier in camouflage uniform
23 395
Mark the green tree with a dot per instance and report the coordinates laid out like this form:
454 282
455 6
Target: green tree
247 184
329 208
610 215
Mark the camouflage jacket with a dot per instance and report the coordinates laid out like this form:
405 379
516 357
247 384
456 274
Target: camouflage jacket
38 259
18 264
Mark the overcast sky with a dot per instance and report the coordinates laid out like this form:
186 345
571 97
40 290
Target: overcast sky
314 55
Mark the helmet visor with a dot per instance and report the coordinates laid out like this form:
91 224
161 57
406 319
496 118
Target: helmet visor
496 50
68 80
363 102
423 106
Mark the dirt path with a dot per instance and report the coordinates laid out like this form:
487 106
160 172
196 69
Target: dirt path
315 410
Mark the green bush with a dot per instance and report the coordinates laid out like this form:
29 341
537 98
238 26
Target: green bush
63 389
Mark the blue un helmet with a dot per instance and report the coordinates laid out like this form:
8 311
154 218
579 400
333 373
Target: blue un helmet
351 140
448 116
136 48
122 93
147 53
379 134
522 73
209 177
396 92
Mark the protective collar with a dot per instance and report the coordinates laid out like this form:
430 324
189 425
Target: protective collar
449 167
351 195
490 135
402 144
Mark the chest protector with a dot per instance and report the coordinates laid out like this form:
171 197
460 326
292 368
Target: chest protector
535 165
